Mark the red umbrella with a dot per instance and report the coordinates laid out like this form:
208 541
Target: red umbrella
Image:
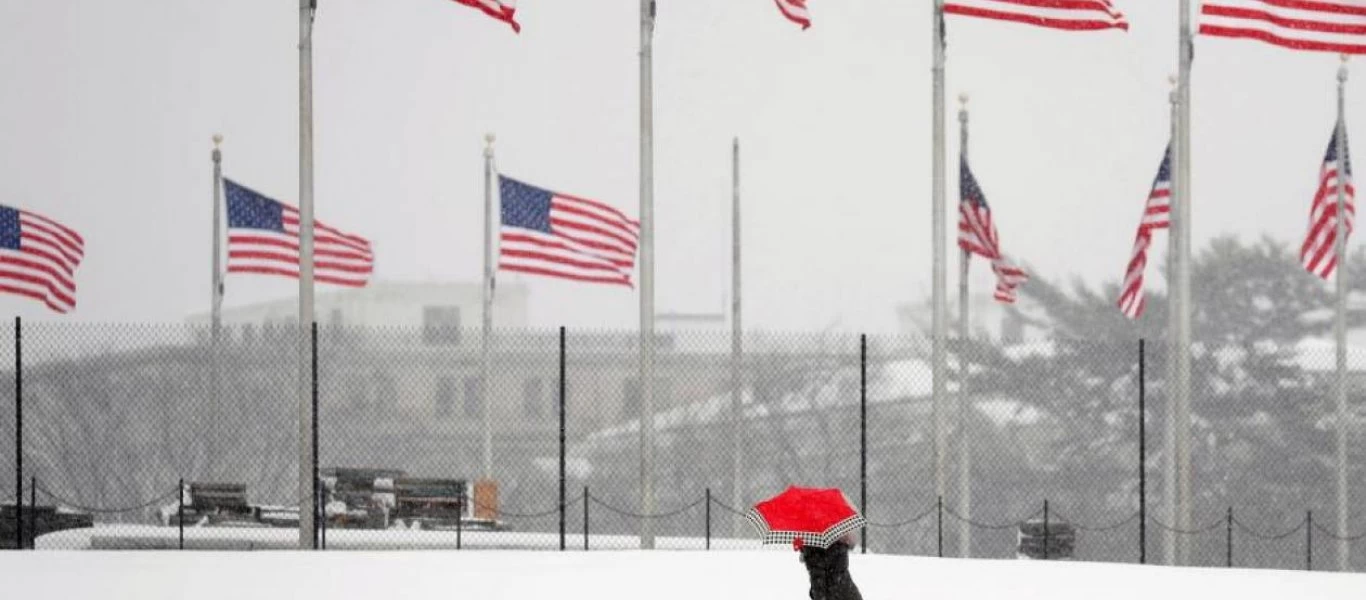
805 516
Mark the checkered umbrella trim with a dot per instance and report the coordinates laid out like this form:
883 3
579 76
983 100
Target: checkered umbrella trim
822 540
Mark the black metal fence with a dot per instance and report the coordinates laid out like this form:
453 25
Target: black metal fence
176 437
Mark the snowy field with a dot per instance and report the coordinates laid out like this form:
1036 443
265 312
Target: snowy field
626 575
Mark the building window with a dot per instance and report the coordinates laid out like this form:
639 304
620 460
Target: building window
474 397
532 395
444 400
441 324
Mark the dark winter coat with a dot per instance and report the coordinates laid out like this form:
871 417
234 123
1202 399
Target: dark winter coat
829 571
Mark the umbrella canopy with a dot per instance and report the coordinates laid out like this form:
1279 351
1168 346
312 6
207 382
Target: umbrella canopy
805 516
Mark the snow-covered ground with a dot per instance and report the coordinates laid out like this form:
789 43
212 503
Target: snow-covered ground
152 537
609 575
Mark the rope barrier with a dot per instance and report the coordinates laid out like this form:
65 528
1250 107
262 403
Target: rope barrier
516 515
1131 518
99 510
727 507
1268 537
1331 534
1206 529
625 513
981 525
914 519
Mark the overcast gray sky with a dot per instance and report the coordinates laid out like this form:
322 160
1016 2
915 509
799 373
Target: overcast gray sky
107 109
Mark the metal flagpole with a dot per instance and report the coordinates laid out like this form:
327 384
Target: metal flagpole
307 9
1184 490
736 345
938 293
1173 308
487 296
964 448
1340 326
216 303
216 297
647 275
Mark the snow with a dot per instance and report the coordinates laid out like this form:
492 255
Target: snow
610 575
116 536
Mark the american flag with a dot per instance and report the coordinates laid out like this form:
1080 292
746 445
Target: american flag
263 238
1316 25
503 10
1074 15
977 234
795 11
38 258
1156 215
558 235
1318 254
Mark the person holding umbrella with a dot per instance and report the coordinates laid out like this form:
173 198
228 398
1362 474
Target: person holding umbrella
819 523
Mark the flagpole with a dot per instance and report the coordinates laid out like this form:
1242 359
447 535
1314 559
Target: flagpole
938 292
216 300
216 295
736 345
1185 493
647 275
306 458
964 448
1173 308
487 312
1340 325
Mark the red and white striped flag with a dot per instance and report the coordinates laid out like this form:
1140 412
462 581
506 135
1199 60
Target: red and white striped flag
1156 215
1318 254
38 258
558 235
1072 15
977 234
503 10
263 238
795 11
1315 25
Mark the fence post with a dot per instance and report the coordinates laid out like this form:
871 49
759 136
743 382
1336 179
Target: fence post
1142 456
863 436
317 510
939 507
562 403
1045 529
460 522
18 434
1228 543
180 512
708 518
1309 540
585 517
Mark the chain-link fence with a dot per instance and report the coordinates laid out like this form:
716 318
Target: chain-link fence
177 437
